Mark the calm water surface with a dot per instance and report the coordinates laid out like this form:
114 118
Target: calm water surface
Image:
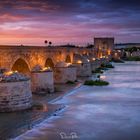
97 113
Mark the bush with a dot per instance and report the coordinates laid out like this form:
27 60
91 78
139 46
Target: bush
70 82
37 106
109 65
96 83
133 58
98 70
103 67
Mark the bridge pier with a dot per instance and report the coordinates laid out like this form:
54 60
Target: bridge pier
42 82
15 95
95 64
83 69
64 73
83 65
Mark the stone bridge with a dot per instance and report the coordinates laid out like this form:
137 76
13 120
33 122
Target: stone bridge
15 91
25 58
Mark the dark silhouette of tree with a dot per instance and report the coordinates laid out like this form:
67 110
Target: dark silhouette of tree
69 46
46 42
132 49
50 43
90 46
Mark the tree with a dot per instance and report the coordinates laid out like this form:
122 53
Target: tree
46 42
50 43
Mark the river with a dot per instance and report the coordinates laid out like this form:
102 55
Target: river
97 113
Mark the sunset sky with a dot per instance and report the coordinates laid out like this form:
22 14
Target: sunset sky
68 21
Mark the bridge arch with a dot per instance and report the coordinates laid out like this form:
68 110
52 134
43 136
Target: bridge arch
68 59
49 63
21 66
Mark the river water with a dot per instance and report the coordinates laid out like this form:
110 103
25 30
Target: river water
97 113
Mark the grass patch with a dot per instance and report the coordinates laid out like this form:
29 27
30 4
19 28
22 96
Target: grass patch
70 82
109 65
96 83
98 70
103 67
133 58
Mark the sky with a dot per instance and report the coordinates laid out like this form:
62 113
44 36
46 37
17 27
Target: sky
30 22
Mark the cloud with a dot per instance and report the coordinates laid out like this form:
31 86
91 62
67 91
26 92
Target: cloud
72 20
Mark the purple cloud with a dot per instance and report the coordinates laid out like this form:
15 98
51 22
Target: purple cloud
75 21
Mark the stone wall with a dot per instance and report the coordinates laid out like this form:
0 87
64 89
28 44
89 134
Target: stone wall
42 82
15 96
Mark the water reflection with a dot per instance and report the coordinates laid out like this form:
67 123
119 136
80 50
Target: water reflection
13 124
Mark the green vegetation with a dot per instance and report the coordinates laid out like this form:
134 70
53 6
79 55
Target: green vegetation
133 58
109 65
98 70
70 82
96 83
132 49
103 67
37 106
117 60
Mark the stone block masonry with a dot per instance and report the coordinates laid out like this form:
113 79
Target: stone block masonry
64 74
15 96
83 69
42 82
95 64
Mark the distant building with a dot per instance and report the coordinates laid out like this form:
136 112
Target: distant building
103 47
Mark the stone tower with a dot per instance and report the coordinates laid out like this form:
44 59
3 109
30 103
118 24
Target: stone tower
103 47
